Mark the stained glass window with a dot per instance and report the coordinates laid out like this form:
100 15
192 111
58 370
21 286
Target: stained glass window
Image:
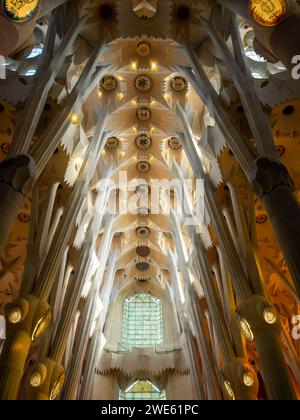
142 390
142 321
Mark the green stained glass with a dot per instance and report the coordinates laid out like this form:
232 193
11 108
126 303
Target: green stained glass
142 321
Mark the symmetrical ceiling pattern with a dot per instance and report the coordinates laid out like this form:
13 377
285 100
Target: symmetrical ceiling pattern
114 115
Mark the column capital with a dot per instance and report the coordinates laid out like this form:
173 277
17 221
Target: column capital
257 315
29 314
45 380
267 175
18 172
240 380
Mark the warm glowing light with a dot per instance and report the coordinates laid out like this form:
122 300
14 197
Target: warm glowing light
41 326
74 119
35 379
57 387
246 330
120 96
153 103
120 78
270 316
133 103
229 390
166 96
133 66
78 163
134 129
15 315
154 66
267 12
20 11
248 379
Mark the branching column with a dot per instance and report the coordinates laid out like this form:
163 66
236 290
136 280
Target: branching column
251 323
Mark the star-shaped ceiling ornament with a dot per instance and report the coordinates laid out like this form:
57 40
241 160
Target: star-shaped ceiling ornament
139 18
144 9
185 19
102 21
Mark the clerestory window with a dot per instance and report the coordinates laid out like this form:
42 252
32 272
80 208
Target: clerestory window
142 321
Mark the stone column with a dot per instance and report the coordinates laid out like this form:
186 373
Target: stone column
16 179
27 320
35 105
274 187
75 367
211 376
261 324
242 286
91 357
187 333
286 236
282 39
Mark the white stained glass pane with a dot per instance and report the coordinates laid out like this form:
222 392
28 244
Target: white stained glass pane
142 321
35 52
257 75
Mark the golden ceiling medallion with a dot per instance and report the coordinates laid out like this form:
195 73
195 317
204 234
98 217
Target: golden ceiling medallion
143 49
143 141
179 84
144 114
174 143
108 83
112 143
267 12
143 166
20 10
143 83
143 232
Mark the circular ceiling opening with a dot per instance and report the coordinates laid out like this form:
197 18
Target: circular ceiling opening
106 11
288 110
183 13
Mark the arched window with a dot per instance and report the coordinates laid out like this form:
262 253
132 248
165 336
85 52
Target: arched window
142 390
142 321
